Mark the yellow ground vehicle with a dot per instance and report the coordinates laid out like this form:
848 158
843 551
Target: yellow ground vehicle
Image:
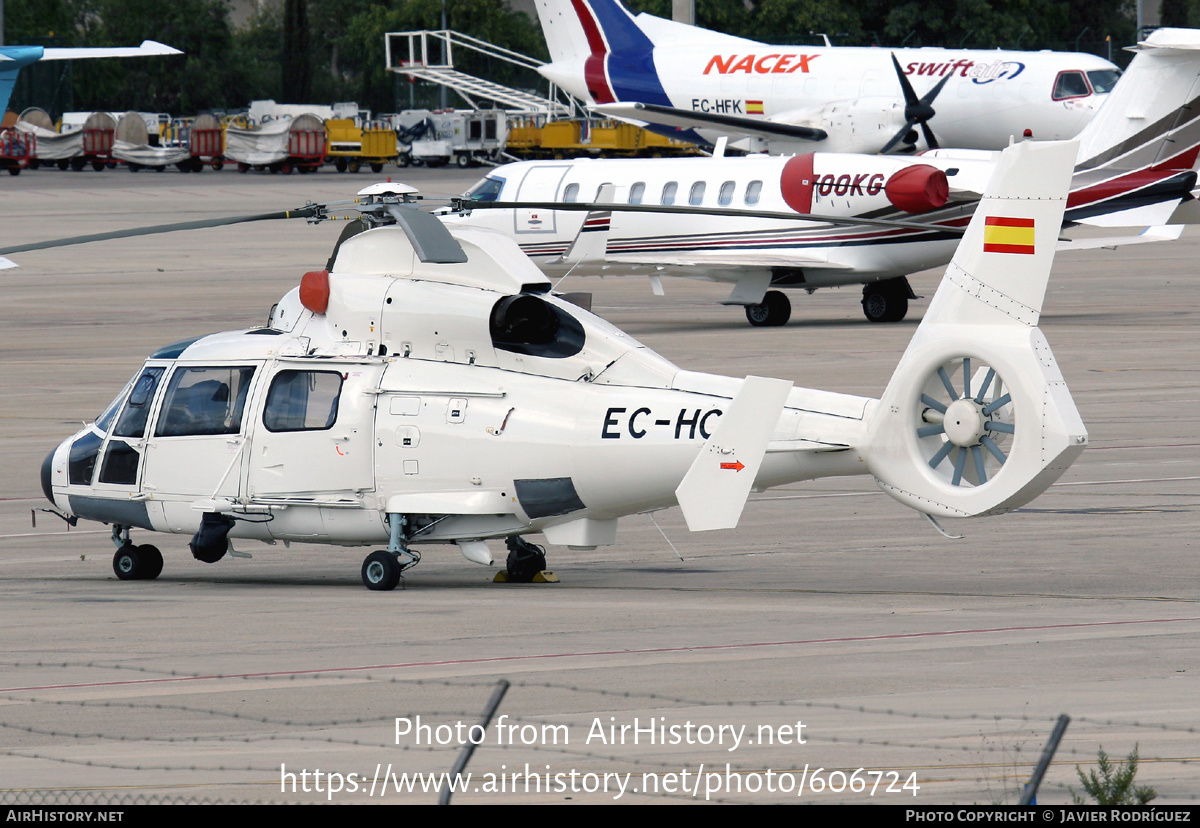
532 138
349 146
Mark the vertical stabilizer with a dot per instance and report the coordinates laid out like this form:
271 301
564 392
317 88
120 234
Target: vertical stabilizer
977 418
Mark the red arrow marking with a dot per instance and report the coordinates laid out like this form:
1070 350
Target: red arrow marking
738 466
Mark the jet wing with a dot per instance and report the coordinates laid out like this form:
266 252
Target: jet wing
643 113
732 259
147 49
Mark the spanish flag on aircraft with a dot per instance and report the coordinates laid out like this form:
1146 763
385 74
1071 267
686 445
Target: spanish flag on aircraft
1003 234
754 108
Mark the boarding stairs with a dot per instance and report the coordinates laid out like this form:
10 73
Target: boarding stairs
429 55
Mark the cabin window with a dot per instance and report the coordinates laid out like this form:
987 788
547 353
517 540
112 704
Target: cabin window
636 192
82 460
1071 85
486 190
725 197
203 401
132 422
668 193
696 196
753 190
571 194
1103 80
303 401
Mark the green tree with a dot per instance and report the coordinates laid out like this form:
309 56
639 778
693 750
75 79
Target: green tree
1113 785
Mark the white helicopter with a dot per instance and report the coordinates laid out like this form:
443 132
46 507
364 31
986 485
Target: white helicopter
427 387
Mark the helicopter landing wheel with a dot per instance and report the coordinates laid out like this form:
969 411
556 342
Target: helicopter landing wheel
525 560
381 571
137 563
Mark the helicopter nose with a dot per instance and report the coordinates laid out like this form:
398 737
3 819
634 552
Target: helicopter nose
47 471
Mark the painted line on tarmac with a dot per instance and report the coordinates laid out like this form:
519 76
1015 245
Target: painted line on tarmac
590 654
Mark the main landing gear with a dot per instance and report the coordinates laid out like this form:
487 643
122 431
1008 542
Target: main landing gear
381 570
887 301
775 309
134 563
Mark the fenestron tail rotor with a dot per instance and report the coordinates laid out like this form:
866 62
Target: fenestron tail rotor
967 421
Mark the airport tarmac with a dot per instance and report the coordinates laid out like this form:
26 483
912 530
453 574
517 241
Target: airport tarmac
833 630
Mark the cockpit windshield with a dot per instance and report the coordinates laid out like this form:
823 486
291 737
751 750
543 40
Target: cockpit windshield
1103 80
486 190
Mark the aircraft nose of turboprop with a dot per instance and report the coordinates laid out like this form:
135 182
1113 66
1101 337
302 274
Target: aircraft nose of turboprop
47 472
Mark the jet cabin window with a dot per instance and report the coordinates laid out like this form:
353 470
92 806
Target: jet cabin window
486 190
636 192
696 196
204 401
668 193
753 191
571 194
1071 85
725 197
303 401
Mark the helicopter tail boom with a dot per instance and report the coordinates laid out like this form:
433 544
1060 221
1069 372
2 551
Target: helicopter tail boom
977 418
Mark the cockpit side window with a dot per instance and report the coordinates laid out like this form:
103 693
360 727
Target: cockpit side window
132 422
1103 80
204 400
1071 84
486 190
303 401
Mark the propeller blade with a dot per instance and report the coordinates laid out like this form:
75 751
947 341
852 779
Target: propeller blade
910 95
966 377
959 463
897 138
1007 428
997 404
929 137
980 472
304 212
941 454
990 444
987 381
945 378
932 403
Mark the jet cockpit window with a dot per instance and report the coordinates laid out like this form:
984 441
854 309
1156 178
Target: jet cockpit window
696 196
132 422
303 401
1103 80
725 197
636 192
204 401
1071 85
486 190
571 194
110 413
753 191
668 193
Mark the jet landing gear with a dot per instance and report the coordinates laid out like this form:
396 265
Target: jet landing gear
775 309
887 301
526 564
134 563
381 570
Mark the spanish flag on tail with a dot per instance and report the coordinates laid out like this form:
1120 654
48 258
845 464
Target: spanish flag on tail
1002 234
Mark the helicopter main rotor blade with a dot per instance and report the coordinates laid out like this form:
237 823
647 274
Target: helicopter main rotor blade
304 212
460 205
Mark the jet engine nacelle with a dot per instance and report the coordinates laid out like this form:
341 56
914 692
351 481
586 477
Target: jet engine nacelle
833 184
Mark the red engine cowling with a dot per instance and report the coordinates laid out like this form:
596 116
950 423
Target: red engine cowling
918 189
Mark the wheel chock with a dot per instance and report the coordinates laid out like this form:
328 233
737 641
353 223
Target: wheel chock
543 577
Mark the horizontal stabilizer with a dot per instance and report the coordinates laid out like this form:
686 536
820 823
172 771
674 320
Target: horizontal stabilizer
713 492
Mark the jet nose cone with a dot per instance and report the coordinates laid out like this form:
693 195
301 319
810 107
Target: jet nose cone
47 471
